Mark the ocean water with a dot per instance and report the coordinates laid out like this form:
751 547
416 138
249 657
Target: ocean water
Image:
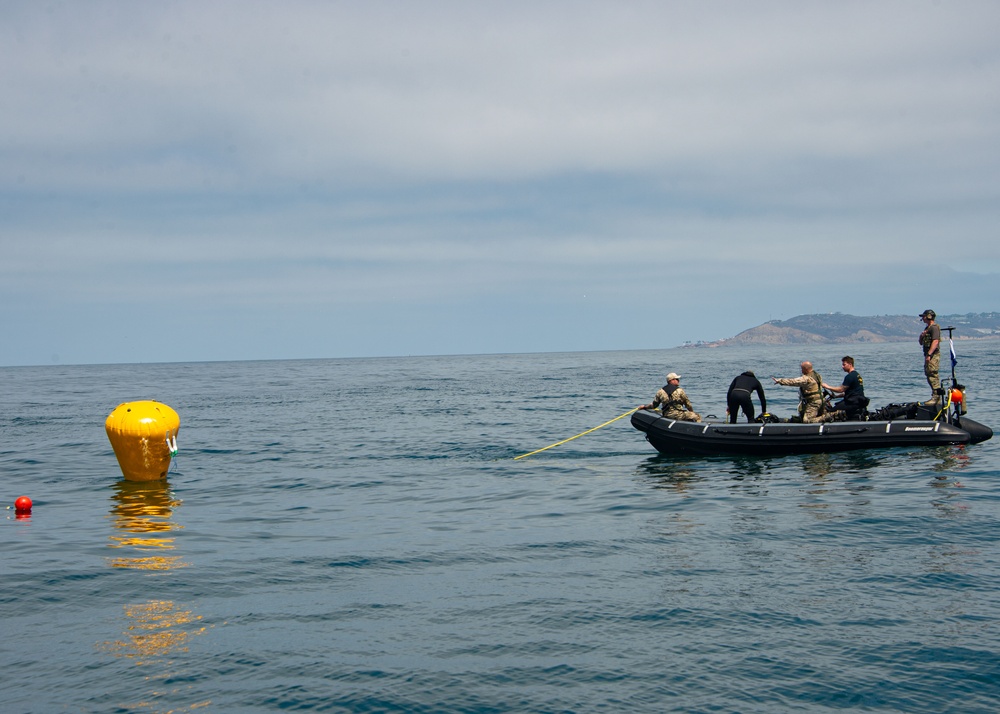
356 536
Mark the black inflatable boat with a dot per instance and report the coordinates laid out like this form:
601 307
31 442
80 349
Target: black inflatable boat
915 425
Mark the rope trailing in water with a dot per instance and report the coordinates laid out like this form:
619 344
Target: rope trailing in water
582 433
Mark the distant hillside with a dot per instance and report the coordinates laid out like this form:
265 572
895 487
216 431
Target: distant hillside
838 328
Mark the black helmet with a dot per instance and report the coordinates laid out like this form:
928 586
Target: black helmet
928 313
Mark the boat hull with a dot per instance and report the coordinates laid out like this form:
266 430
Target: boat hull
669 436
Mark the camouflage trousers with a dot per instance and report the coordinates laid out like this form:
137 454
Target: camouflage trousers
931 367
681 415
810 412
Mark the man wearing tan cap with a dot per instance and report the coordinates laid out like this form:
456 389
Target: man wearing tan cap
674 401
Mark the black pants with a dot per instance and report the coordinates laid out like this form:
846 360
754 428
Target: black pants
854 407
739 399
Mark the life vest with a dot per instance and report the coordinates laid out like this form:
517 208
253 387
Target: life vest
670 389
819 392
812 391
926 339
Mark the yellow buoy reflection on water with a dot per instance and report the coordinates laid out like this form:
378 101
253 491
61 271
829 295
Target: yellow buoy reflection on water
144 437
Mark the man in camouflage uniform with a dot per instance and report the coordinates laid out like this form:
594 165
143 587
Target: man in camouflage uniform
674 401
930 340
810 393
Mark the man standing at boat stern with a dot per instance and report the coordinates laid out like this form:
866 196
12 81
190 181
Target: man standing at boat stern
674 400
810 393
930 340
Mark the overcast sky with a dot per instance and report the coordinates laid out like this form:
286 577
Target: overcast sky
185 181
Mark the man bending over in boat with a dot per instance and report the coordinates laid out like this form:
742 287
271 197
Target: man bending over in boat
810 393
676 404
738 396
854 402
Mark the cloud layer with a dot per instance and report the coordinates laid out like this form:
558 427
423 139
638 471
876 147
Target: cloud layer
506 176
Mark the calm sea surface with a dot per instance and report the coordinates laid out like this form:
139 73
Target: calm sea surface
356 536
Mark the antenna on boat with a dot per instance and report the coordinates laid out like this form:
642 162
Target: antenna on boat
954 360
956 395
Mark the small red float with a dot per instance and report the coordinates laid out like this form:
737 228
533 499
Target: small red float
22 505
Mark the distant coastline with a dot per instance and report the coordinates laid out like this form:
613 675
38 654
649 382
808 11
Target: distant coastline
838 328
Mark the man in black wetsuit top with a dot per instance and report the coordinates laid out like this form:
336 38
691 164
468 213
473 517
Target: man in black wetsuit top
854 402
738 396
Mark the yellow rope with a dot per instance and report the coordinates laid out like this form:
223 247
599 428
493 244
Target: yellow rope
531 453
944 409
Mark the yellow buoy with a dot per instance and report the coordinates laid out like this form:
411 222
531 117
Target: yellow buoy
144 437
